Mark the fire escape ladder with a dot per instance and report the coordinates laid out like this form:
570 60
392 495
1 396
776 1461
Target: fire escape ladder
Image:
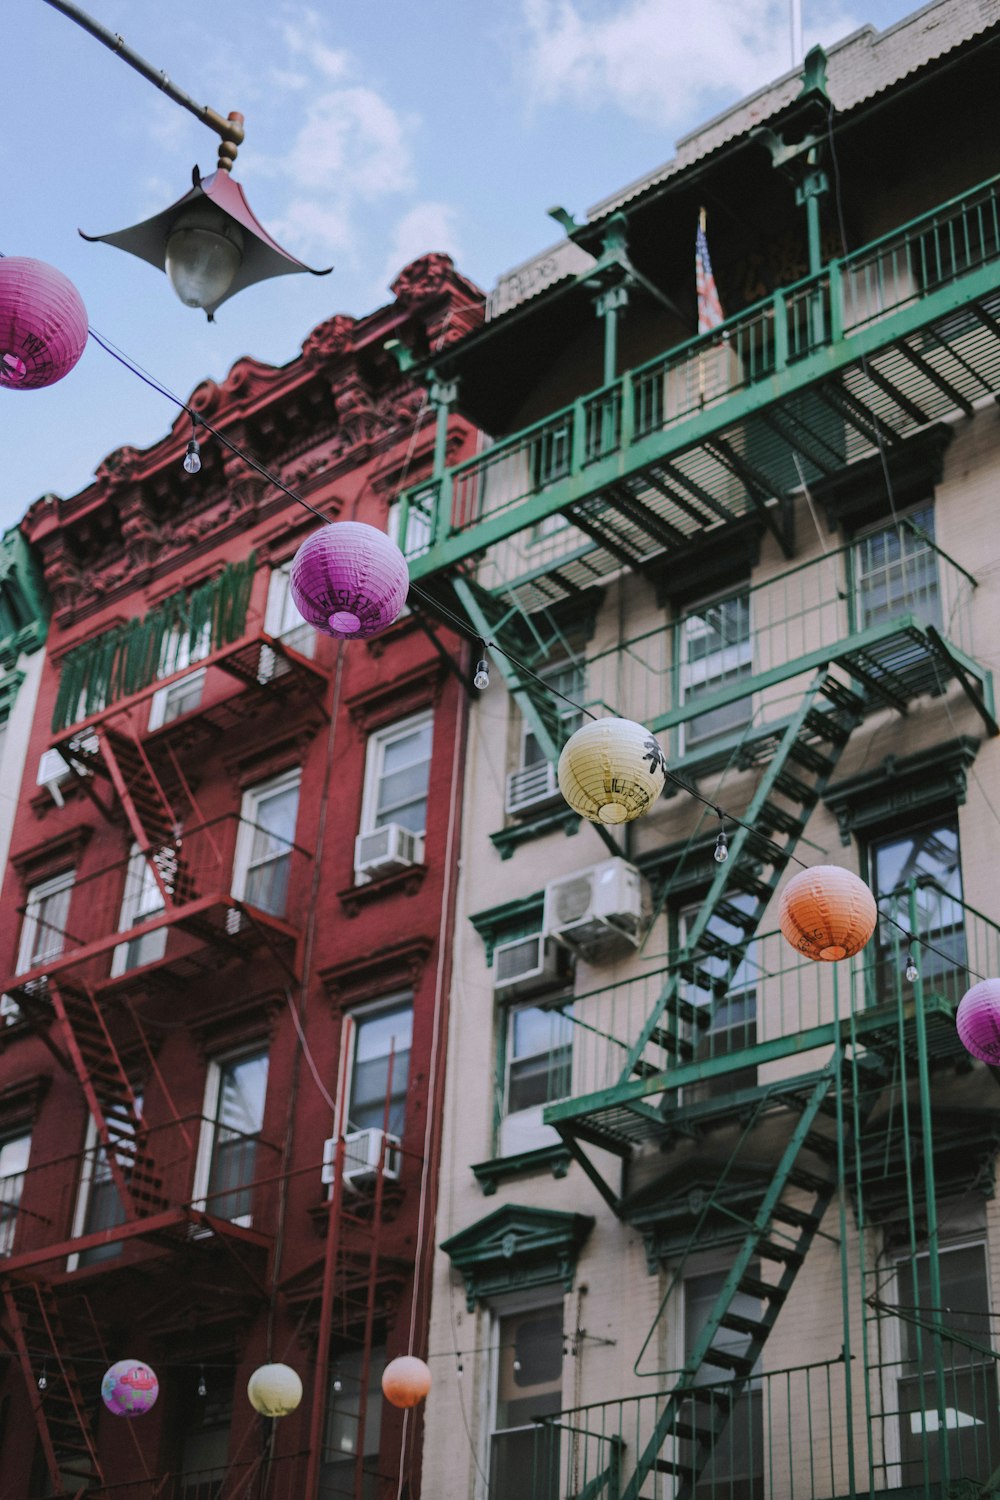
60 1410
154 824
696 1410
121 1130
717 941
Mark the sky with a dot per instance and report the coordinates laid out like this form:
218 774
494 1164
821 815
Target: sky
376 131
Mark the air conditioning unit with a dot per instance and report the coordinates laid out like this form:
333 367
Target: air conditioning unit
52 768
385 851
528 966
362 1154
532 787
598 910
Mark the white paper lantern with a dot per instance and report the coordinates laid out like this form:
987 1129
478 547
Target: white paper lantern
611 771
274 1390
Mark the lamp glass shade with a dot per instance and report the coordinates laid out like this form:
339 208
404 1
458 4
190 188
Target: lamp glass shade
611 771
43 324
349 579
274 1390
978 1021
129 1388
405 1381
204 252
827 913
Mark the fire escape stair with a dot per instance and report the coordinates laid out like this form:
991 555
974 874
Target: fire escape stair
61 1411
119 1126
151 817
701 1403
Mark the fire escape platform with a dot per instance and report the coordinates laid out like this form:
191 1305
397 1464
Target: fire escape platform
171 1230
621 1119
860 356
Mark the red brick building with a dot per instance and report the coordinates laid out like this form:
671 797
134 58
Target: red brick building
223 940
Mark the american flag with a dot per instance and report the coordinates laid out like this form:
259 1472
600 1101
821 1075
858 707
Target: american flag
710 313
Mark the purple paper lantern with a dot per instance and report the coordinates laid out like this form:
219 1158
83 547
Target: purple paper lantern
978 1021
129 1388
349 580
43 324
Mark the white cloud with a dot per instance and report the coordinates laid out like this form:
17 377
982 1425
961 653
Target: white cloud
352 142
659 60
424 228
315 233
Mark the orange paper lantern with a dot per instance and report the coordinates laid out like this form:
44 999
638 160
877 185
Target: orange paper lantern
827 913
405 1380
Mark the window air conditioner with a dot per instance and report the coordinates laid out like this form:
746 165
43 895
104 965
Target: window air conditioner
362 1154
598 910
385 851
531 787
529 965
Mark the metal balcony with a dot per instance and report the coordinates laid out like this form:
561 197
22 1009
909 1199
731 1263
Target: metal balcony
902 333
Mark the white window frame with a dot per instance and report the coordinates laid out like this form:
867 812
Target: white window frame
915 602
733 657
210 1127
137 877
509 1306
401 1000
570 718
252 798
8 1235
37 894
374 759
81 1209
419 526
282 621
524 1129
175 654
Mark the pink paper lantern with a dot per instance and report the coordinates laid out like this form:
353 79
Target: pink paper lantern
978 1021
349 580
43 324
129 1388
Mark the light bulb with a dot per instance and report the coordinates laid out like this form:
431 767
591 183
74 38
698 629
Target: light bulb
517 1366
204 253
43 1381
912 972
192 458
482 677
338 1386
202 1387
721 851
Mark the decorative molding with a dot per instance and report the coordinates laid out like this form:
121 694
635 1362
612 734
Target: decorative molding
489 1174
857 494
355 898
405 695
20 1101
902 784
330 340
517 1248
398 966
56 854
237 1022
509 839
10 686
284 751
513 919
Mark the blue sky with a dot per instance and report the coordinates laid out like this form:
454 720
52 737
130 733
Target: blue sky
376 130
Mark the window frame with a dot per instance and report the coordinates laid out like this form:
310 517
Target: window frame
543 1301
519 1130
9 1222
401 1000
85 1187
378 740
249 826
138 884
176 653
282 620
908 600
210 1124
687 742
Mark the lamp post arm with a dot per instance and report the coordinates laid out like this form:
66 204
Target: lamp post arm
230 130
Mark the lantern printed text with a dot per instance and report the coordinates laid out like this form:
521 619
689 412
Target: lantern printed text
43 324
611 771
349 580
827 913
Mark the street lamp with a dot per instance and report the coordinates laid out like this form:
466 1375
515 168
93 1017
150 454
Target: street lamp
210 243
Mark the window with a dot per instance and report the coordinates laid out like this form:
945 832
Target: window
225 1171
343 1441
141 900
567 678
43 932
263 858
537 1061
14 1153
380 1033
929 856
99 1203
397 773
735 1467
183 696
896 571
281 617
204 1442
732 1026
419 524
528 1384
716 651
971 1417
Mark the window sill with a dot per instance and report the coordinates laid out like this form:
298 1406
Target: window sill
489 1174
403 882
509 839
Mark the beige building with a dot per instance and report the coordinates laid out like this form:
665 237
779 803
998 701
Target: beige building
715 1219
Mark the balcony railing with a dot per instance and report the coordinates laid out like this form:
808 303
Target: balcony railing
818 1430
780 1006
72 1201
246 1479
837 308
228 879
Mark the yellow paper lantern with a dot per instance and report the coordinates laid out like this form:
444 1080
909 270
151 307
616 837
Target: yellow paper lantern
827 913
274 1390
611 771
405 1381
